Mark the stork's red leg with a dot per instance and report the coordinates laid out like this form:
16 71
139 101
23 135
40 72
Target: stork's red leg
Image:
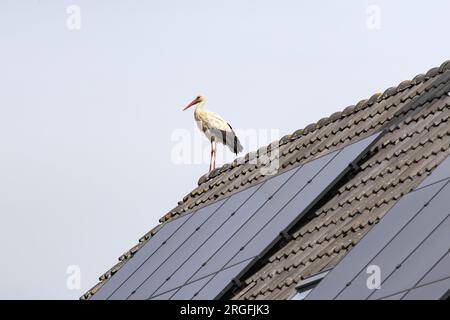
215 154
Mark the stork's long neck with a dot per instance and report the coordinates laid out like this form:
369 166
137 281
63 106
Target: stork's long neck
199 108
198 111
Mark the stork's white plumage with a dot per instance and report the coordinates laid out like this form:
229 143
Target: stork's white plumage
215 128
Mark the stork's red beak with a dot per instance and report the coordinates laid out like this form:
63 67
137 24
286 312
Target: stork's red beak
193 103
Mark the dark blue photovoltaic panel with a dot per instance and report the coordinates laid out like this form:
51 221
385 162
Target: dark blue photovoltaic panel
186 249
418 263
197 255
357 260
150 265
405 242
144 253
219 238
410 245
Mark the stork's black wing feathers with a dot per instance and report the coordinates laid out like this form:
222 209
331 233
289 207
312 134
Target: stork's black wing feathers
237 147
230 139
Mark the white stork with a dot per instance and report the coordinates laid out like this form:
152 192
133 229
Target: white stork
215 128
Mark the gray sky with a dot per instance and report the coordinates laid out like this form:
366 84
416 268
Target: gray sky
88 117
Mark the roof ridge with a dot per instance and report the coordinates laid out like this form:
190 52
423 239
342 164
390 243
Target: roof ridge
362 104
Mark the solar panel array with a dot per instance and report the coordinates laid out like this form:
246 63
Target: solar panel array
410 245
197 256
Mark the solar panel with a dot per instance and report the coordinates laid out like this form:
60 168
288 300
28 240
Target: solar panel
146 252
357 260
410 246
198 255
219 238
147 265
390 259
406 274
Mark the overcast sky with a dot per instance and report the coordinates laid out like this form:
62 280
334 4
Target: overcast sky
90 117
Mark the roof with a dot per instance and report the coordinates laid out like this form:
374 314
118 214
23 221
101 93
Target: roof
415 115
410 247
197 255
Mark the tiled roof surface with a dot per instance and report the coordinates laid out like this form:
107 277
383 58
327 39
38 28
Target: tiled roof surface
399 161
